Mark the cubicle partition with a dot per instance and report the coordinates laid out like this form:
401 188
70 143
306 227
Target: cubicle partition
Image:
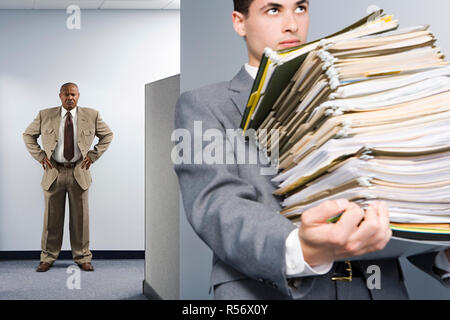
162 262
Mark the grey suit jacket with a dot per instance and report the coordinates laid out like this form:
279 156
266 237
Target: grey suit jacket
425 262
231 206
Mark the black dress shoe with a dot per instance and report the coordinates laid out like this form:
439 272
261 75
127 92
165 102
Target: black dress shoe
87 266
43 267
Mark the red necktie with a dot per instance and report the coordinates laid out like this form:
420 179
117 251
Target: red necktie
68 137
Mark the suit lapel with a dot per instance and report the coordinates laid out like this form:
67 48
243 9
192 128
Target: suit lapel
56 120
240 87
80 116
81 124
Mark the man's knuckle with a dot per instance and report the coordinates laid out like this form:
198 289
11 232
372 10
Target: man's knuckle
380 245
373 225
371 249
306 218
378 238
348 249
352 247
328 205
334 239
354 207
339 240
386 240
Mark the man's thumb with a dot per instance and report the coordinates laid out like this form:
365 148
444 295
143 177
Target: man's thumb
326 210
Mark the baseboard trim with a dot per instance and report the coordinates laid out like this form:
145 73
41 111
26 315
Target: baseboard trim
67 255
149 292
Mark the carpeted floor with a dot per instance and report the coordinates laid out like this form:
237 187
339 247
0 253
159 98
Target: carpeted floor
111 280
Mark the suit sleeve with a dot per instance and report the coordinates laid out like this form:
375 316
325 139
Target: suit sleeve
105 135
30 136
223 209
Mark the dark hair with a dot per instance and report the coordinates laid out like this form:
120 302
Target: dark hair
242 6
67 85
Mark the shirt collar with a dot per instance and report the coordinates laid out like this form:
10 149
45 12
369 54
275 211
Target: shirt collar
252 71
73 112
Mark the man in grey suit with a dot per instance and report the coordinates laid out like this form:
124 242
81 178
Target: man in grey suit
258 254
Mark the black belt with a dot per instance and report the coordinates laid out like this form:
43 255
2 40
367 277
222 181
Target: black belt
344 271
65 164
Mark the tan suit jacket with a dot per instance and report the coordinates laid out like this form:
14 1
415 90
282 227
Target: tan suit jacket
89 125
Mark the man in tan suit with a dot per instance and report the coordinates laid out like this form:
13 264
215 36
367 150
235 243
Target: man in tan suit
67 134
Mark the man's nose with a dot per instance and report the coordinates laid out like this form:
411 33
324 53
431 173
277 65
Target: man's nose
290 23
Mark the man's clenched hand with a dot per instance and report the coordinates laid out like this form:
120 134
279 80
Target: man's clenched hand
356 233
86 163
46 163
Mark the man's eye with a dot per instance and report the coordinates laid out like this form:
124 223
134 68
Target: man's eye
300 9
272 11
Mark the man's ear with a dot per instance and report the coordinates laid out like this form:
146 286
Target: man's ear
239 23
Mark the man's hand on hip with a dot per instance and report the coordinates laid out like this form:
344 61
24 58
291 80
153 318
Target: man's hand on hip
356 233
46 164
86 163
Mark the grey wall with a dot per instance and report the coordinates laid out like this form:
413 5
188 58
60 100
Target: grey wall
112 57
162 253
211 52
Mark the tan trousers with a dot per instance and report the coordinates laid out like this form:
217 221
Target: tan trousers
55 203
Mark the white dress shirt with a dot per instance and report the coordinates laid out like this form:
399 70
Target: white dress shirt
296 266
58 154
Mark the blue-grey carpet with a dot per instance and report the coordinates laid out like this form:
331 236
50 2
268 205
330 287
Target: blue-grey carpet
111 280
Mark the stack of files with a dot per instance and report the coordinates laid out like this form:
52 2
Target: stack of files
362 115
277 68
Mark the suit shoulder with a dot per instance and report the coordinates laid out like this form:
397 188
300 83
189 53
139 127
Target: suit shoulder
209 95
202 103
215 90
89 110
49 110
